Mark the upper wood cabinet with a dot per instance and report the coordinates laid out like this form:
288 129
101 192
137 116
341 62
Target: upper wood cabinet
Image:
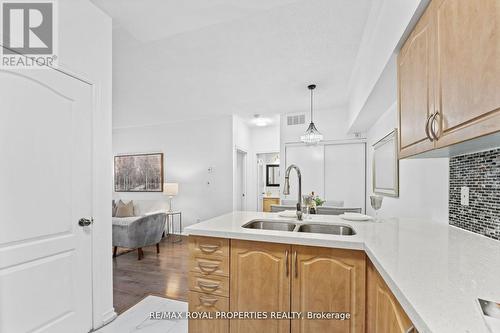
328 280
449 76
468 64
416 88
260 281
384 314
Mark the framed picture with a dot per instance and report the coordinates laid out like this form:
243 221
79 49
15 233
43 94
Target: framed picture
139 173
272 175
386 165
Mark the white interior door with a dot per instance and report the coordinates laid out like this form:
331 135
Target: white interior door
345 174
240 180
261 189
45 177
310 160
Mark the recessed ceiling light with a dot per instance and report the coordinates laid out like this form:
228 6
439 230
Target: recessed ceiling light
258 120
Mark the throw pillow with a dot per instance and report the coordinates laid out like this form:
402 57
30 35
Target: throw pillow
125 210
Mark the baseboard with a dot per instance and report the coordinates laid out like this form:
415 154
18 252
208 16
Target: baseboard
106 318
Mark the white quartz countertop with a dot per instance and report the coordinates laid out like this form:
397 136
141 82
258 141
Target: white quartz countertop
435 271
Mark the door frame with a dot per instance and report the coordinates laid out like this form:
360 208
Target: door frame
244 182
101 229
102 266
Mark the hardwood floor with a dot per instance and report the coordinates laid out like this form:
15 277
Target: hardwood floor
164 274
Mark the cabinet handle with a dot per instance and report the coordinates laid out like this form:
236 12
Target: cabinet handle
427 123
208 248
411 329
208 268
208 301
296 266
208 287
286 263
431 126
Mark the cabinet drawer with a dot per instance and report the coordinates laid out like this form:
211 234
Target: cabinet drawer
209 284
216 266
199 302
208 246
207 303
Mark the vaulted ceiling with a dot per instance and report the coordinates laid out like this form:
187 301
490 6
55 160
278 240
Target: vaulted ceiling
180 60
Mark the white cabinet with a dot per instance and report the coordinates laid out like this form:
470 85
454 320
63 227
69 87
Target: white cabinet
310 160
345 174
334 171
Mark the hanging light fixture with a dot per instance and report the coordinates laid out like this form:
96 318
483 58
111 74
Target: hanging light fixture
312 135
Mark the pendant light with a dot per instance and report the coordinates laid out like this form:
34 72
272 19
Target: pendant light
312 135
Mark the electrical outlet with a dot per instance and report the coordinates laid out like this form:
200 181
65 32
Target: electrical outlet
464 196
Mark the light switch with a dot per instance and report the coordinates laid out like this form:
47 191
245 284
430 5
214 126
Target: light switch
464 196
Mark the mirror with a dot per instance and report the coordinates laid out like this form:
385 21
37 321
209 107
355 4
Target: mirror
272 175
386 165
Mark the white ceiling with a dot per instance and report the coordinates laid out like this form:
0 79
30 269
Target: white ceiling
179 60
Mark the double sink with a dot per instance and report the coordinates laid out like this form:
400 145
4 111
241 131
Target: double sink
330 228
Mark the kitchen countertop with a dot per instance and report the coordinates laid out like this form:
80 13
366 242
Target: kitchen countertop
436 271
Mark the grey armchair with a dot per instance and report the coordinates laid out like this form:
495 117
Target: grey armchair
138 232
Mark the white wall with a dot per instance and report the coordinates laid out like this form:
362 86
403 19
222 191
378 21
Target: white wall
85 50
387 23
190 148
332 123
266 139
423 183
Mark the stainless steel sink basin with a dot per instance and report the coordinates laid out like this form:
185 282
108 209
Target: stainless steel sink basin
333 229
270 225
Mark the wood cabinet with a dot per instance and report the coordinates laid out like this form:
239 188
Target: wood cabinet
214 247
416 88
328 280
384 314
200 302
468 69
449 76
267 202
260 281
208 282
279 277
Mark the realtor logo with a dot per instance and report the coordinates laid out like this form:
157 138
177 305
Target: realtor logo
28 32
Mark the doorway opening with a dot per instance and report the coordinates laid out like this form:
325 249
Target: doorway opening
268 180
241 180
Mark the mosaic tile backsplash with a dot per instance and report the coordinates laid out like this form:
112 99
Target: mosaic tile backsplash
481 173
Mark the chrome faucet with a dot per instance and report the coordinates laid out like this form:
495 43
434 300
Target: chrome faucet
286 190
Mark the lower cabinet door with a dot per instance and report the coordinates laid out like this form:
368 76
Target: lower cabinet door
260 282
384 314
325 281
199 302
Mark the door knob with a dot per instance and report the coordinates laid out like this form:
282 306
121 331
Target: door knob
83 222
